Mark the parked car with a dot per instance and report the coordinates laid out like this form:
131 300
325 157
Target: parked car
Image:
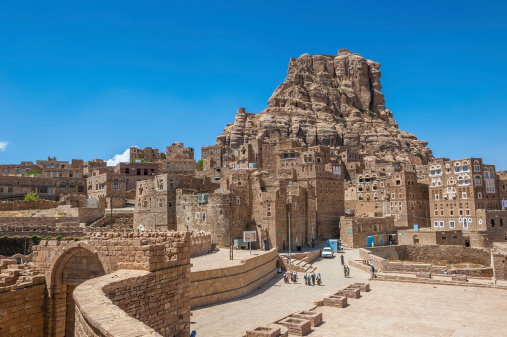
327 252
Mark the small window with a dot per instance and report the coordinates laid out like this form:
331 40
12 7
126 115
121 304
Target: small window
435 224
441 224
203 216
197 215
452 224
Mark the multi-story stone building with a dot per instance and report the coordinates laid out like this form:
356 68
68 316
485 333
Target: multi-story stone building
179 160
16 187
463 195
135 172
147 154
155 206
108 188
89 166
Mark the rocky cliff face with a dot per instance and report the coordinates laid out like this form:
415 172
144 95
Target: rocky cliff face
333 101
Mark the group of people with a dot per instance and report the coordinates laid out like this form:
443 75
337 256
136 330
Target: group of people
311 278
290 276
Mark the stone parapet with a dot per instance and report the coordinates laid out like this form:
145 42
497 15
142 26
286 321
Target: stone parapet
221 284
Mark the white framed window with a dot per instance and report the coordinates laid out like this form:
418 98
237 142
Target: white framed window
435 224
437 197
479 195
452 224
464 195
441 224
477 168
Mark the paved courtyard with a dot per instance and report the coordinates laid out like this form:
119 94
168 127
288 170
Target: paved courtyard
274 300
389 309
415 310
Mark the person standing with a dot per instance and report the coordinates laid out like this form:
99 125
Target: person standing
345 271
372 272
313 278
342 259
348 271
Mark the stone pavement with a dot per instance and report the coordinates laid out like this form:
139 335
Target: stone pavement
273 301
415 310
220 259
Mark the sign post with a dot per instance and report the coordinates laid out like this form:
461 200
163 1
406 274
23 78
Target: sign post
250 236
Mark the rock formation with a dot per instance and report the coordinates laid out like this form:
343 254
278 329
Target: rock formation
333 101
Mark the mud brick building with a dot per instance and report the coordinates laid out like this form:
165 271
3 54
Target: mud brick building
108 188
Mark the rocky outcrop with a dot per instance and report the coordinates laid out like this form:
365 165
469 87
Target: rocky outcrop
333 101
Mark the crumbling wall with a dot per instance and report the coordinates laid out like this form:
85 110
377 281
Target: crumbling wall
200 244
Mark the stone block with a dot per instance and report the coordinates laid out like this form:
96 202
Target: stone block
263 331
363 286
423 274
335 301
296 326
349 292
314 317
459 278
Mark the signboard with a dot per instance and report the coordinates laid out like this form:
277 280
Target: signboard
249 236
350 231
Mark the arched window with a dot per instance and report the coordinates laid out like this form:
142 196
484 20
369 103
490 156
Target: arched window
197 215
203 216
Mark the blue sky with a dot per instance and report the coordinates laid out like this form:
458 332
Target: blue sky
88 79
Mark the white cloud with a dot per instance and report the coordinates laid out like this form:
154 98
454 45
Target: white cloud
3 145
120 158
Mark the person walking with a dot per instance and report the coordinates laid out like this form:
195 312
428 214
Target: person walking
342 259
348 271
306 278
372 272
319 279
345 271
313 278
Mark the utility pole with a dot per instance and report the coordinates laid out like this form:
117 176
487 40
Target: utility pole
290 259
231 243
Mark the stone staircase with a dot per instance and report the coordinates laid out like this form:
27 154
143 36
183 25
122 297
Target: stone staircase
300 266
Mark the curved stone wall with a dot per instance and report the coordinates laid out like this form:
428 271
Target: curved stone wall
222 284
134 303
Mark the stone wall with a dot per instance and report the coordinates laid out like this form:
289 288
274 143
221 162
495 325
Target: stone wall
200 244
27 205
22 312
53 230
156 304
222 284
429 255
499 263
36 220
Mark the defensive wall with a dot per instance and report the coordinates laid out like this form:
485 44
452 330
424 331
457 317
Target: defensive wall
222 284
